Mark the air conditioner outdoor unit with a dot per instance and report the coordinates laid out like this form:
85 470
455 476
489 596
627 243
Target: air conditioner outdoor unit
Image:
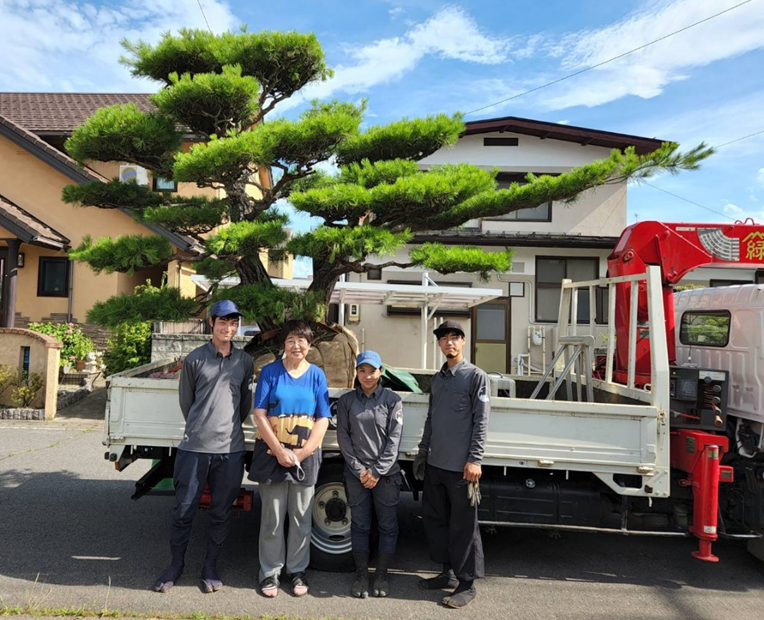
129 173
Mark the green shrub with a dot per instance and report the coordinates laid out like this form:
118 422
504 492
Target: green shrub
24 385
28 385
76 344
129 346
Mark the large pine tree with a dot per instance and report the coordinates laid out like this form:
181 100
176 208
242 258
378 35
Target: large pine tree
220 89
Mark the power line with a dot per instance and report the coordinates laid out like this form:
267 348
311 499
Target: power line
750 135
201 8
692 202
604 62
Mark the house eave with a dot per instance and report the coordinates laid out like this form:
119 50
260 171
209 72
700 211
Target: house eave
515 240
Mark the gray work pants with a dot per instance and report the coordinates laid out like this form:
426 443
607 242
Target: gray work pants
280 502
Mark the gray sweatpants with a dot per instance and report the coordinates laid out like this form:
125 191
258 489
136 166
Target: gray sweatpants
279 502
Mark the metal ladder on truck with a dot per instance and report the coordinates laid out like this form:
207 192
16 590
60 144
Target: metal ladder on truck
577 352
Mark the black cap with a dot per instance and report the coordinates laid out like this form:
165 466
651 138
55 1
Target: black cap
448 326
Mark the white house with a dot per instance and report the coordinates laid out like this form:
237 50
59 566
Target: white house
551 242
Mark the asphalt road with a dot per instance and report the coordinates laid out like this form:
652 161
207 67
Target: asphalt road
71 537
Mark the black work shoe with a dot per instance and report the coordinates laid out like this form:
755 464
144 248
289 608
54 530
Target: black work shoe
167 579
381 586
464 594
444 581
210 580
360 587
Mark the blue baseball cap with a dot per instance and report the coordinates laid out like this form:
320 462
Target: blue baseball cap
368 357
225 307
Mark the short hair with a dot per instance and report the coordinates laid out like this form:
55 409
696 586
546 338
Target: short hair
296 327
225 318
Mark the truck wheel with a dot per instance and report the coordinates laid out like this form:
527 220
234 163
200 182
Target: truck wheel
330 538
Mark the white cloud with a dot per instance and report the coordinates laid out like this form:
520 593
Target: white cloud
740 214
450 34
647 72
396 11
760 177
69 45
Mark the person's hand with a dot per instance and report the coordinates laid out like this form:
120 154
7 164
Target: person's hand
300 454
472 472
285 457
420 464
368 480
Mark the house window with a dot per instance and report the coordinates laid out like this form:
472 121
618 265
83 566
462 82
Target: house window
160 184
707 329
550 271
53 277
542 213
375 273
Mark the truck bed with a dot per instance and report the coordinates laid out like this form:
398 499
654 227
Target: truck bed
621 436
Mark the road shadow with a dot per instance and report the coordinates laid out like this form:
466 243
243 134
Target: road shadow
64 529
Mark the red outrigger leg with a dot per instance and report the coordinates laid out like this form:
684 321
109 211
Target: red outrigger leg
699 454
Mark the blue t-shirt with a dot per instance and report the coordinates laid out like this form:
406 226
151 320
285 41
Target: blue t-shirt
292 407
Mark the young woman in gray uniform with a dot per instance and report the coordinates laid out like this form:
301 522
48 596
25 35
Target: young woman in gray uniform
369 426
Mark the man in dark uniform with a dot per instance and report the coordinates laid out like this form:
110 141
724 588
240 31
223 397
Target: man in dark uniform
449 460
215 398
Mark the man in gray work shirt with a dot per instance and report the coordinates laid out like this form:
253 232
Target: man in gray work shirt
369 427
449 459
215 398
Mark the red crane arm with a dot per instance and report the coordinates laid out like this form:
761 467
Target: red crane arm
676 249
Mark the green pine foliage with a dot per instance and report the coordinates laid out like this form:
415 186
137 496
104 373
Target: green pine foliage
125 254
112 195
445 259
216 91
248 238
161 303
193 216
279 304
405 139
357 242
123 133
210 103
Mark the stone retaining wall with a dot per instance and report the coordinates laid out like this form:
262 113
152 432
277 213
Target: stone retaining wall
171 346
22 414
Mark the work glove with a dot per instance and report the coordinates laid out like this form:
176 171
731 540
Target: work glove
420 464
473 493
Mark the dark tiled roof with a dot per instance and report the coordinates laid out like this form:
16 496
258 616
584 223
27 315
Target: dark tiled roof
566 133
27 227
52 113
517 239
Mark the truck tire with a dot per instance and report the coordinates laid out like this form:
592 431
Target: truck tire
330 547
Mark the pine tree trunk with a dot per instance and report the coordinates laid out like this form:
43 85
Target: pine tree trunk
252 271
325 277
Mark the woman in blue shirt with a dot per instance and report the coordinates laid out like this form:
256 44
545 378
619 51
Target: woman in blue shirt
292 415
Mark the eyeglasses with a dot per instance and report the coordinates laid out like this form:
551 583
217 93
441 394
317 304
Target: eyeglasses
450 338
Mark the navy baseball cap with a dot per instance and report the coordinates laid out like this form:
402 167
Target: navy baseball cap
369 357
448 326
224 307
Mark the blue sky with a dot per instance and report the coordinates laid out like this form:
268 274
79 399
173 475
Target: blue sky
418 57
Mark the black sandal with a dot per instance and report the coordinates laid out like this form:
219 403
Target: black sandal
299 584
269 587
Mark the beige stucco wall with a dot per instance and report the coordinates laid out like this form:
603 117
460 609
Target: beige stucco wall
44 352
